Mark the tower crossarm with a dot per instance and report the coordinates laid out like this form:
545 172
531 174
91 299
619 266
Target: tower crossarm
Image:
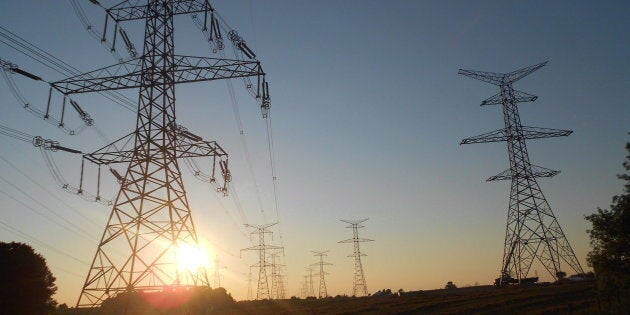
536 171
126 11
263 247
187 69
527 133
122 150
351 240
519 97
501 78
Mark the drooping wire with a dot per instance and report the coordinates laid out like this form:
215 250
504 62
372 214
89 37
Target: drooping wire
241 130
274 178
10 229
78 10
44 115
239 52
16 134
44 214
48 60
66 205
63 183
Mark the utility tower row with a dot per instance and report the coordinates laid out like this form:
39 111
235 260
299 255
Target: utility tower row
267 258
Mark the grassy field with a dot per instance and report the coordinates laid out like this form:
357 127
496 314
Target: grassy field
567 298
564 298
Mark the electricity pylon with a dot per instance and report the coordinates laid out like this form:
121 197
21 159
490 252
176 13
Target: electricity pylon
532 231
262 248
277 285
359 285
310 287
217 271
249 285
151 223
323 292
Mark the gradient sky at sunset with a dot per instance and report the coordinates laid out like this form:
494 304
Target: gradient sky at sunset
368 111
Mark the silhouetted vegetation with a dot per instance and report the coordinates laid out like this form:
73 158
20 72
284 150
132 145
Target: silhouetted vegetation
569 297
26 283
610 239
450 285
202 300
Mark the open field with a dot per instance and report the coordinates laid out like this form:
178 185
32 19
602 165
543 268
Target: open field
565 298
539 299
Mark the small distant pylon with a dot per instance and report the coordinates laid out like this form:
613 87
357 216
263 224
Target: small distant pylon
263 285
250 295
323 292
277 287
532 230
217 271
359 284
311 288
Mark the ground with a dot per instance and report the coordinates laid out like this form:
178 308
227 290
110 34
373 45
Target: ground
561 298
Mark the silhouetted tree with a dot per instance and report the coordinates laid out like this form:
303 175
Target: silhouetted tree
26 283
450 285
610 239
561 275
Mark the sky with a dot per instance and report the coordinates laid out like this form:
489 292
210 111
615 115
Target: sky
367 114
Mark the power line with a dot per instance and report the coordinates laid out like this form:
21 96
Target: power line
75 228
49 193
10 229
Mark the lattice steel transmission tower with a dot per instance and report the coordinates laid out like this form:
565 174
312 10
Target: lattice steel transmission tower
323 292
277 285
151 222
532 231
217 271
310 287
262 265
359 285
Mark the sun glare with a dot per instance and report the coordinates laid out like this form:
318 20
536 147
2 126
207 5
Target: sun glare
191 258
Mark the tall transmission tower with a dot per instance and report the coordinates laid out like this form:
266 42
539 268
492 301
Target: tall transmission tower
532 231
151 222
323 292
262 265
359 285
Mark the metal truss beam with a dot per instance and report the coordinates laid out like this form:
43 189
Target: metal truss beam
526 132
186 69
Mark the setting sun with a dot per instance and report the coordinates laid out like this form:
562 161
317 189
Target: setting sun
191 258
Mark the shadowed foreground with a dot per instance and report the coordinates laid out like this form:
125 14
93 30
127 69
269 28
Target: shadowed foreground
565 298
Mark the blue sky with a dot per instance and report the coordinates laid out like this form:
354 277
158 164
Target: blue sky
368 112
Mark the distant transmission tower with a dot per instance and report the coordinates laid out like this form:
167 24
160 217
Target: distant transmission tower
262 248
323 292
277 286
359 284
151 222
310 287
249 285
532 231
217 271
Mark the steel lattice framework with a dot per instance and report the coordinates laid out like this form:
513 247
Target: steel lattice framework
323 292
532 231
151 219
262 265
359 285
